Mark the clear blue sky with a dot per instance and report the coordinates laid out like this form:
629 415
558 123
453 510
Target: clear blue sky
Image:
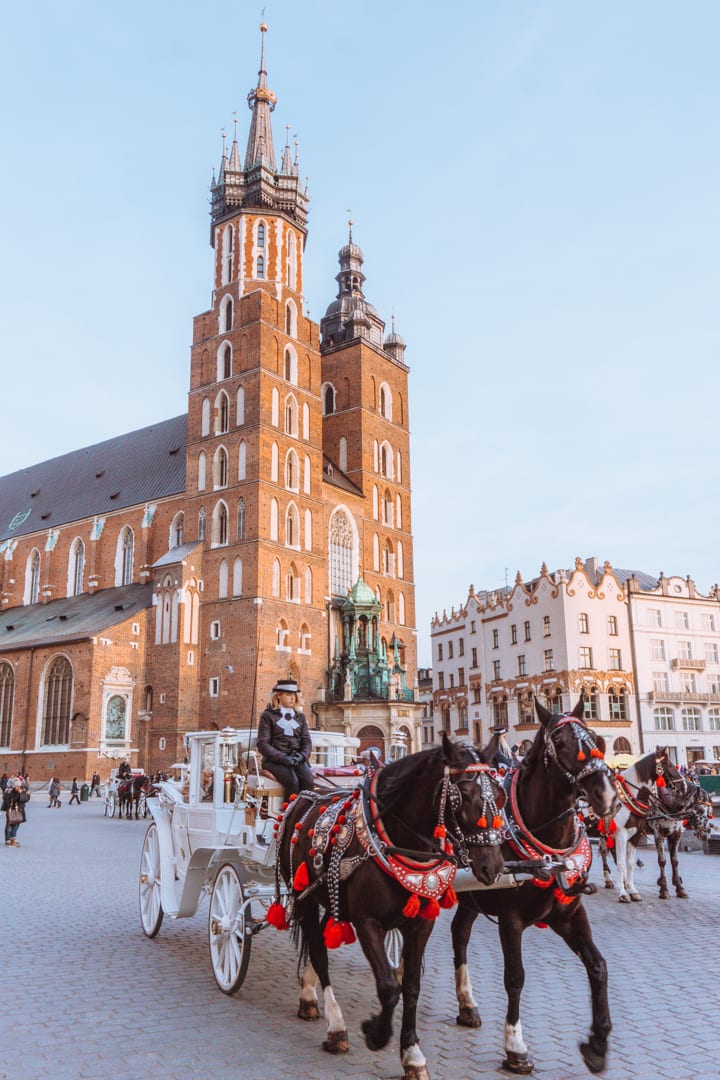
535 187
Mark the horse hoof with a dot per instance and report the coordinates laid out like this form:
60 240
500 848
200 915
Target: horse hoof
635 897
663 896
308 1010
374 1038
594 1061
609 884
336 1042
624 899
416 1072
468 1017
682 895
518 1064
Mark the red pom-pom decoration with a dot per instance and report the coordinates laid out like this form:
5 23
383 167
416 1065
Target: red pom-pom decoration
348 934
497 823
302 878
596 753
482 822
431 910
276 916
541 925
660 781
440 832
412 907
581 755
332 934
448 898
293 798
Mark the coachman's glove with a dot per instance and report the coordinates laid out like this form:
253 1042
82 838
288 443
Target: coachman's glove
295 757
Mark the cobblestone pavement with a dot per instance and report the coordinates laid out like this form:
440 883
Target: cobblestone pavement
96 999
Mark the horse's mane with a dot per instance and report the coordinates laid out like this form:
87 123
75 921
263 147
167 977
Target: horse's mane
534 754
395 776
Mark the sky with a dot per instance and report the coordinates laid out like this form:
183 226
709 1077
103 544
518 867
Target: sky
535 189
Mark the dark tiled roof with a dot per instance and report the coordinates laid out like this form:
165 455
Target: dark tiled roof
74 618
177 554
129 470
333 475
646 581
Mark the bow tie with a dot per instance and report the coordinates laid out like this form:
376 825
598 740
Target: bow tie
288 723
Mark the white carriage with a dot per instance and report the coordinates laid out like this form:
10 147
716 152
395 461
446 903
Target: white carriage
111 794
213 835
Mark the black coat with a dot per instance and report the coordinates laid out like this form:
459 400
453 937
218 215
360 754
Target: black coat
15 798
274 744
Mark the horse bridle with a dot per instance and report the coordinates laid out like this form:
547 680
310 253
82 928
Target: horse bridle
490 830
587 750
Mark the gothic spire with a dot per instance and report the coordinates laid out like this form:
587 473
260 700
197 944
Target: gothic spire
261 100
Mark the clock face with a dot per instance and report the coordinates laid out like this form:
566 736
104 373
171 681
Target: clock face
19 519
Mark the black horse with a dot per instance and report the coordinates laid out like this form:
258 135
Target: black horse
381 858
129 792
563 760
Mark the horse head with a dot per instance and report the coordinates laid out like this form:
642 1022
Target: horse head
699 812
571 749
471 804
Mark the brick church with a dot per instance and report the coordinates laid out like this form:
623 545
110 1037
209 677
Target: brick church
161 581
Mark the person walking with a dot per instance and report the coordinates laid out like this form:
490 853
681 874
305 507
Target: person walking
95 785
74 792
283 739
54 793
13 804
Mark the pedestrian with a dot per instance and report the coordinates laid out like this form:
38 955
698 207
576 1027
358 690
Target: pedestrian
74 792
95 785
283 739
13 804
54 792
3 782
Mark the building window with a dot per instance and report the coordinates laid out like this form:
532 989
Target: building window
341 553
461 647
586 657
441 680
77 567
477 695
546 626
7 695
472 626
237 577
496 639
685 650
214 629
220 525
513 634
32 590
291 417
177 530
660 682
618 704
451 650
461 676
682 620
496 670
583 623
57 697
691 719
214 686
241 519
126 544
654 616
261 235
201 524
526 628
222 412
592 704
711 652
714 719
612 625
657 649
522 667
548 656
260 267
687 682
664 719
440 650
473 662
615 659
708 621
328 399
220 469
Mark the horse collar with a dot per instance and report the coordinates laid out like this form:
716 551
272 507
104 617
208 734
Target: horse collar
577 857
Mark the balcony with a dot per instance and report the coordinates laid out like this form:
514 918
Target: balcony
682 663
680 697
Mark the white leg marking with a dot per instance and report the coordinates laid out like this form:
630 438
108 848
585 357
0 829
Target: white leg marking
413 1056
333 1014
308 984
514 1039
463 988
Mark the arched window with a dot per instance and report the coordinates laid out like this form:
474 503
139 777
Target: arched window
292 585
291 416
376 552
390 606
691 719
237 582
222 413
57 699
291 269
7 697
388 516
275 586
223 580
226 315
224 361
205 417
388 559
290 366
305 638
125 556
376 456
273 519
292 471
201 523
328 399
306 421
241 519
308 530
292 527
398 513
592 704
290 319
386 461
274 462
275 407
281 635
618 704
375 503
220 525
385 401
306 475
76 568
400 569
401 609
116 721
398 467
202 469
242 461
342 453
32 578
260 267
220 468
308 585
227 255
622 746
260 235
342 548
177 530
240 406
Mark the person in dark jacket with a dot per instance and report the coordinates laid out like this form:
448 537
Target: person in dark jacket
14 798
283 739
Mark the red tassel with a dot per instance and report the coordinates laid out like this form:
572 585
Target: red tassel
302 878
660 781
497 823
440 831
609 843
333 934
431 910
541 925
449 898
348 934
613 826
482 822
412 907
276 916
596 753
581 755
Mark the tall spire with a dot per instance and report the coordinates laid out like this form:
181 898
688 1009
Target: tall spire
261 100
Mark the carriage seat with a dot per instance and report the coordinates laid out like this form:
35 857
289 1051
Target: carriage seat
259 781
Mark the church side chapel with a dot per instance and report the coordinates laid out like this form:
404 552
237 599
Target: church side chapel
161 581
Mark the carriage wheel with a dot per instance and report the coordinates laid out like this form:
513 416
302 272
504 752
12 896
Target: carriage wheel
151 912
228 930
110 804
394 948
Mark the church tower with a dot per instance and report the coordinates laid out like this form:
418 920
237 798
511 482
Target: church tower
254 455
